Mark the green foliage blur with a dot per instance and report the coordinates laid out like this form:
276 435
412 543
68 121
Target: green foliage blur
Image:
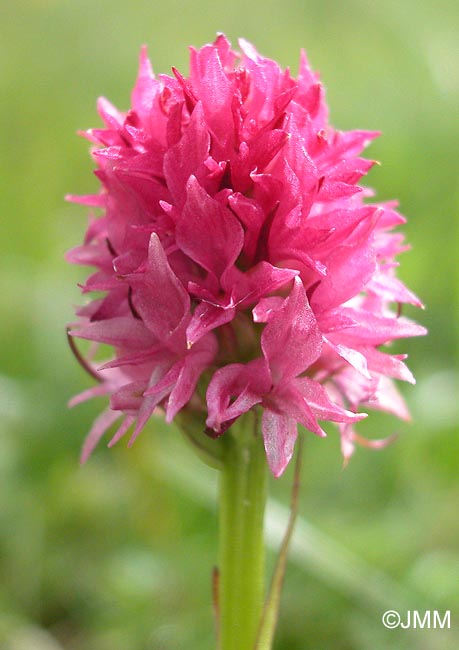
117 555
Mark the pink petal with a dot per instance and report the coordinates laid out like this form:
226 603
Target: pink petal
319 402
245 382
347 437
291 340
346 144
256 157
207 317
372 329
215 90
207 231
100 426
349 268
123 331
93 200
289 401
391 288
387 398
351 170
100 281
146 87
159 296
310 93
261 280
95 391
388 364
334 321
266 309
150 402
266 83
129 397
140 359
111 116
187 157
122 430
354 357
90 255
197 360
251 215
279 435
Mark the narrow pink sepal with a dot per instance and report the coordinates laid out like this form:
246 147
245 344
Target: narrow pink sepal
100 426
122 430
93 200
121 331
352 356
321 405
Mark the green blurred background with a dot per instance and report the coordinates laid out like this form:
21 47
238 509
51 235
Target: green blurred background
117 555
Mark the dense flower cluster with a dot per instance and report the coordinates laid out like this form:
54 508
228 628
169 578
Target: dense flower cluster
239 261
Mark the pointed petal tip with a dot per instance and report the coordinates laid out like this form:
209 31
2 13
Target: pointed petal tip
321 433
145 67
134 435
243 43
278 466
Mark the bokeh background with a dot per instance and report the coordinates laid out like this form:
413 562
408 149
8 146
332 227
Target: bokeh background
117 555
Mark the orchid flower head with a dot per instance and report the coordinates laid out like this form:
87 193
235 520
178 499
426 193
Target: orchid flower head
240 261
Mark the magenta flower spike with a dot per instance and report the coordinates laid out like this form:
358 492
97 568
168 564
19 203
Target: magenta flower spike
236 250
242 266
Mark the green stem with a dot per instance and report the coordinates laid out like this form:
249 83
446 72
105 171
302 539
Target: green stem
242 505
270 614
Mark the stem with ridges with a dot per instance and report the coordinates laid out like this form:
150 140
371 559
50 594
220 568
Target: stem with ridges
242 563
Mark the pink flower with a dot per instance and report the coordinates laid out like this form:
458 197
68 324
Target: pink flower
240 263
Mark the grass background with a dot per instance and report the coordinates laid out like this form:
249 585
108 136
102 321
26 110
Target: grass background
117 555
